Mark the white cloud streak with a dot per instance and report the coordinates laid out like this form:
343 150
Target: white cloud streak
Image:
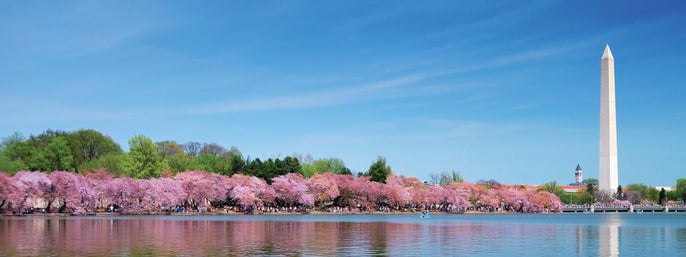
312 100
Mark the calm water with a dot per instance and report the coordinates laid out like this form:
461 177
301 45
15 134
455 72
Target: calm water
622 234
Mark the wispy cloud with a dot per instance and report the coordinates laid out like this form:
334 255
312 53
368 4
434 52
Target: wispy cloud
312 100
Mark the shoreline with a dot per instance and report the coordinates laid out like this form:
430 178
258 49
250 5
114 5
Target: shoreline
222 213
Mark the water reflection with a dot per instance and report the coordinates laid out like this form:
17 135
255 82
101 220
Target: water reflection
589 235
40 236
609 235
609 240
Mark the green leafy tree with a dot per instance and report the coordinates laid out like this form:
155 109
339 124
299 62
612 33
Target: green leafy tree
642 188
36 160
45 152
10 166
672 196
681 188
176 158
236 159
11 140
582 196
213 163
87 145
653 195
179 162
552 187
379 171
308 170
11 153
58 155
143 160
327 165
111 162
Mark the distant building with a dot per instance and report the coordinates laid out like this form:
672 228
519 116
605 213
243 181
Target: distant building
571 189
667 188
578 175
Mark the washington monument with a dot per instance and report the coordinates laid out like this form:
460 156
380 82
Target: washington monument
608 124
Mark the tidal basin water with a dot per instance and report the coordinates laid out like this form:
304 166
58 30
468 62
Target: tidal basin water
597 234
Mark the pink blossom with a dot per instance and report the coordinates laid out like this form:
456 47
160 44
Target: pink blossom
30 185
623 203
291 189
198 186
250 192
76 191
490 199
161 193
323 187
7 187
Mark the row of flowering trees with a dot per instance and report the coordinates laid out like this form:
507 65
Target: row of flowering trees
199 190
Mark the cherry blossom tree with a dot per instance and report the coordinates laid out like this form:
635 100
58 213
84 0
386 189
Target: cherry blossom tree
323 188
76 191
456 197
548 202
398 194
161 193
346 196
475 191
198 186
365 193
250 192
292 190
7 187
422 197
221 186
31 186
126 193
514 200
490 200
106 191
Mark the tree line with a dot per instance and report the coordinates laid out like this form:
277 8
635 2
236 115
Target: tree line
89 150
200 191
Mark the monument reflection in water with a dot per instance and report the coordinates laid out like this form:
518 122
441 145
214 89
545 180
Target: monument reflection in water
394 235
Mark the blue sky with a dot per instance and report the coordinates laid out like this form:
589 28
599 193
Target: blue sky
505 90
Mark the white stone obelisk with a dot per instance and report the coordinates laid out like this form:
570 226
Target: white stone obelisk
608 178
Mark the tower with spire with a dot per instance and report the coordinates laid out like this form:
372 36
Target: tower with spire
608 178
578 174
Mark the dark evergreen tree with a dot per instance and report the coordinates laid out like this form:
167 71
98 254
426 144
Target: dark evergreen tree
379 171
662 197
